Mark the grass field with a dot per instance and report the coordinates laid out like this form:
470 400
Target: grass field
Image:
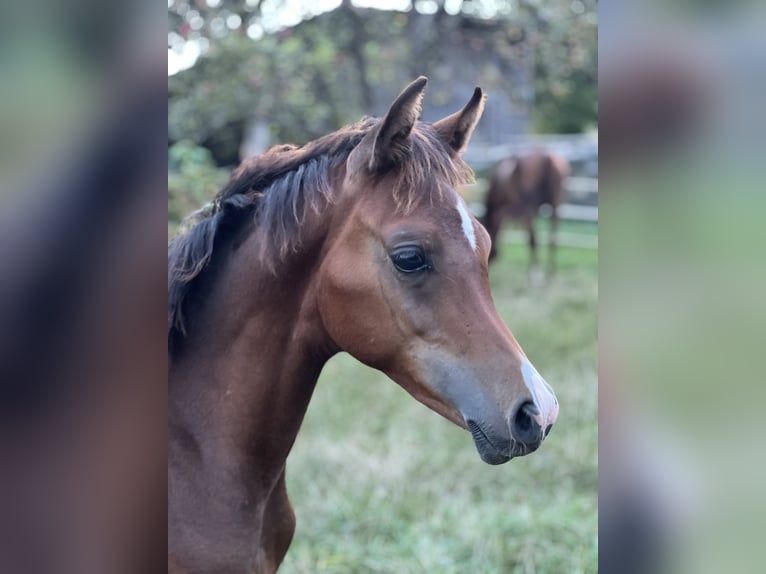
380 484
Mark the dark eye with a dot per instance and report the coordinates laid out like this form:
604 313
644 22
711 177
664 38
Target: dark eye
410 259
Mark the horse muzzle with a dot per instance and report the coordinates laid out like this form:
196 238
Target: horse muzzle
500 431
526 436
530 422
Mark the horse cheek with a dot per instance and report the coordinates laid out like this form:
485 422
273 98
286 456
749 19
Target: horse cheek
355 314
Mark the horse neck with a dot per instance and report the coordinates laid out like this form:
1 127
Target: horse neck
241 387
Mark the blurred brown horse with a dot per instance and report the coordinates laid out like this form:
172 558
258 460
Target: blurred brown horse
518 188
83 395
356 242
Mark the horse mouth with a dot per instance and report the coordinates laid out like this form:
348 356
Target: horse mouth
489 451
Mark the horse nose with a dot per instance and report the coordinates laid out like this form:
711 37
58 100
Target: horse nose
524 426
535 416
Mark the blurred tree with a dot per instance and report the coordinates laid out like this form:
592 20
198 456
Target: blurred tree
563 36
193 179
303 73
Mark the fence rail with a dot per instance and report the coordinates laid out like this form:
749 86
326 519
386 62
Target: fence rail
581 198
576 148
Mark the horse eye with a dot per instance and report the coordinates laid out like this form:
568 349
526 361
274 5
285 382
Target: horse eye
410 259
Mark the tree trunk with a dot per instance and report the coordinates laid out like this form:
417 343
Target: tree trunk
356 50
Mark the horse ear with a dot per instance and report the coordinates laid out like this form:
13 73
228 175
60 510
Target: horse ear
386 144
457 128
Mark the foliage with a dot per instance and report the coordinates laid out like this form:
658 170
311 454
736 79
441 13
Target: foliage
312 77
566 62
282 80
193 180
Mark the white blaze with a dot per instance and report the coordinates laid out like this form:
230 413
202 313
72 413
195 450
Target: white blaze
467 222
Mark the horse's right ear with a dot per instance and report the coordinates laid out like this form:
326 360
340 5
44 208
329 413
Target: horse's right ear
456 130
388 142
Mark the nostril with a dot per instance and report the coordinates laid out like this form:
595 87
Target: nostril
531 409
523 422
524 428
548 430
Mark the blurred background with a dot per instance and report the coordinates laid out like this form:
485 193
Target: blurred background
379 482
245 75
682 283
83 228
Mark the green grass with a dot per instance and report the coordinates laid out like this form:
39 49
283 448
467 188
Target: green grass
380 484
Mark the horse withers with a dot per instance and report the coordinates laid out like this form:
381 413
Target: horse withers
519 186
355 242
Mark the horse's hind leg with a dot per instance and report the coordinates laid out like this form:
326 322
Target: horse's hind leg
278 525
553 241
535 274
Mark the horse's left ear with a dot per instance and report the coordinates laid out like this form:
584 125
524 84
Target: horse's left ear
457 128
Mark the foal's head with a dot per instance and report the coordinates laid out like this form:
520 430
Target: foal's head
404 284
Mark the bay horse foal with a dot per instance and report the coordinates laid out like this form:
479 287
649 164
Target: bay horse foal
356 242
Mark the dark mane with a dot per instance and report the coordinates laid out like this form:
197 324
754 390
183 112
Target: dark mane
277 189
